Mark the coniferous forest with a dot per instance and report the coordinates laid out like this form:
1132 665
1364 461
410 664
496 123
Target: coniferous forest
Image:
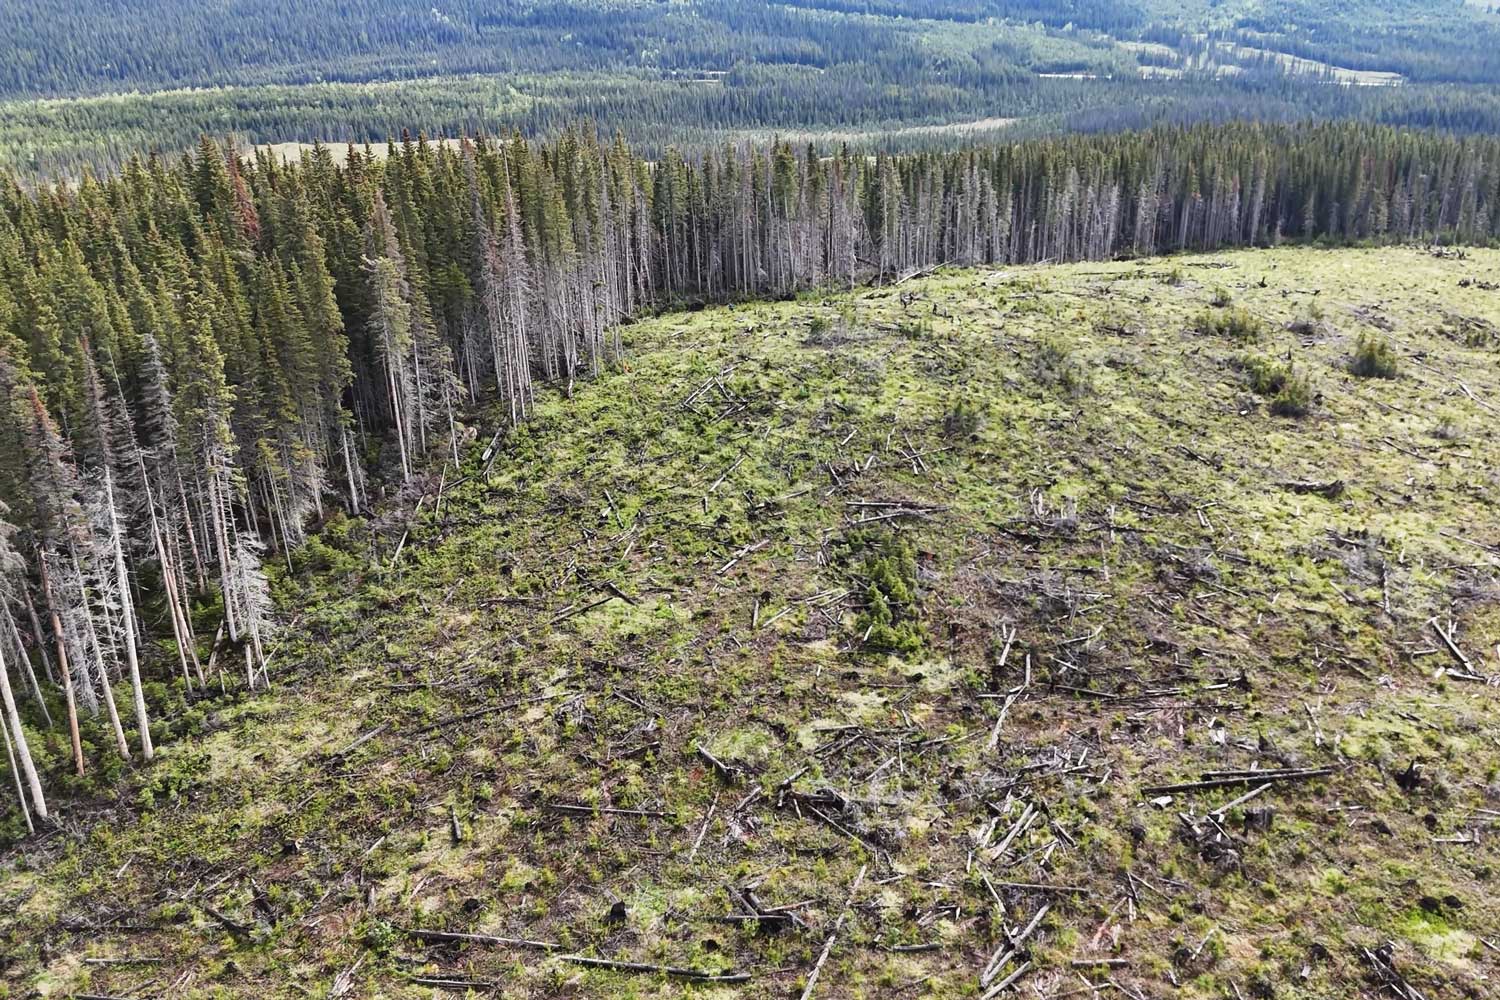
90 84
204 358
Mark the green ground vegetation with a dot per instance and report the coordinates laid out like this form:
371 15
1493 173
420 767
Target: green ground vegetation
728 627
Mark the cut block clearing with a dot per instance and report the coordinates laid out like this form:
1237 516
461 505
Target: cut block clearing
1000 633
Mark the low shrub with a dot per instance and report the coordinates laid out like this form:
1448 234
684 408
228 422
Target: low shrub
1295 397
1373 357
1239 325
1267 376
962 420
1290 392
887 562
1056 367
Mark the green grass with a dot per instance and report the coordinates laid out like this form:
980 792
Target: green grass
1178 606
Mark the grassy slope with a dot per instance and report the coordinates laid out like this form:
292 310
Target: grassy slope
1119 506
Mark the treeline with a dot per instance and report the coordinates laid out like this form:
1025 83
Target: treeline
201 360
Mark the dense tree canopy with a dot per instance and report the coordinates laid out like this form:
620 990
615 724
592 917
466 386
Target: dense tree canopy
90 84
61 48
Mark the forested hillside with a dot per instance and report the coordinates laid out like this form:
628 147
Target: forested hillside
88 84
93 46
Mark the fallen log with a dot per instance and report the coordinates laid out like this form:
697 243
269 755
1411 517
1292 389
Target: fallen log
666 970
1250 778
455 937
812 977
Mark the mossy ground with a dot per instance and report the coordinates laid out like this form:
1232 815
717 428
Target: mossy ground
1092 472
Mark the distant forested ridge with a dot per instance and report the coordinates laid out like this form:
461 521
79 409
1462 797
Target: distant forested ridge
202 359
86 85
54 47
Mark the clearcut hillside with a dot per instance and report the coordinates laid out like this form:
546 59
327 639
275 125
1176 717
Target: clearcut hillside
1091 630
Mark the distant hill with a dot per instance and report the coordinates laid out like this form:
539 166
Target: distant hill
55 49
710 70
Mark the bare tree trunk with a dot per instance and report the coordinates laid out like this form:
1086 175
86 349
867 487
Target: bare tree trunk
62 659
187 526
15 771
13 718
110 708
36 631
218 511
401 433
36 689
185 647
127 616
355 505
